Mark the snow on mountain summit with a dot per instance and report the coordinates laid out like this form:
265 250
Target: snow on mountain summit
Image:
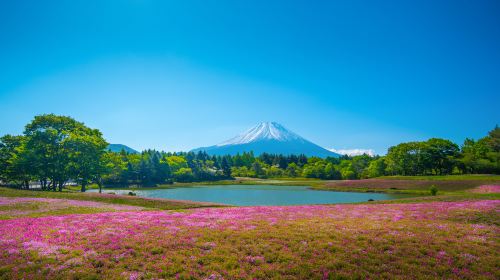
268 137
263 131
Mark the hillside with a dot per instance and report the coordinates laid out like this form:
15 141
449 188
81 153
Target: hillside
119 147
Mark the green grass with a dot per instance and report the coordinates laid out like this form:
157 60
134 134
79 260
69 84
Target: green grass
56 212
163 204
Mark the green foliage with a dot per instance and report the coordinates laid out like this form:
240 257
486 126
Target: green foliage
482 156
53 150
14 161
433 190
376 168
432 157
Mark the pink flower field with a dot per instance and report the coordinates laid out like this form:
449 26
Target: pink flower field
445 240
487 189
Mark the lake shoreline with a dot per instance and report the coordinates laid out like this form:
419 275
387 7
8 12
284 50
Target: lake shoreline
414 185
258 195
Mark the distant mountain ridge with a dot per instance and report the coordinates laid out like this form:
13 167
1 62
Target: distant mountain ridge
268 137
116 148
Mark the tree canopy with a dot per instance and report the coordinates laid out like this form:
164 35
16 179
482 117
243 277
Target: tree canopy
53 150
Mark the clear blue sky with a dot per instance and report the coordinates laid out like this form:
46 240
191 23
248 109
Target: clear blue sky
175 75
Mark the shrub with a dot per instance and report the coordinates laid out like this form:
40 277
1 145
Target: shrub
434 190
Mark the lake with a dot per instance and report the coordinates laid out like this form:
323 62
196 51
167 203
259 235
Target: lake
253 195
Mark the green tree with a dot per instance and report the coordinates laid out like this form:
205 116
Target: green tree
86 155
376 168
346 170
184 174
331 173
115 168
481 156
292 170
54 144
408 159
493 143
226 168
257 168
493 139
14 161
442 155
274 172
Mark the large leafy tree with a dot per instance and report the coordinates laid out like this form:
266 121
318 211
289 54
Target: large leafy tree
376 168
406 159
62 148
434 156
482 156
87 154
441 155
493 139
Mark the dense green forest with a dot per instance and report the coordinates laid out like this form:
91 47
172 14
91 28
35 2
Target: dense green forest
55 150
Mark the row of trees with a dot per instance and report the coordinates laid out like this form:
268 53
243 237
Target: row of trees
55 150
432 157
152 167
440 157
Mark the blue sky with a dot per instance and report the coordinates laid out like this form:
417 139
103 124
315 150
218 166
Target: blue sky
175 75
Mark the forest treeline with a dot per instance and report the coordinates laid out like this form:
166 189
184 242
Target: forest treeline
55 150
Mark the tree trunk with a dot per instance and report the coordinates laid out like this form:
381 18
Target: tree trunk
54 185
61 184
84 184
99 183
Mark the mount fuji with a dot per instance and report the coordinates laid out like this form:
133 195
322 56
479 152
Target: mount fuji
268 137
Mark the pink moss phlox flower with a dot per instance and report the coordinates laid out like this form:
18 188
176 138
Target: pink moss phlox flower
487 189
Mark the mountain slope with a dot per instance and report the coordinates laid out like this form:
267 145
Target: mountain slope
116 148
268 137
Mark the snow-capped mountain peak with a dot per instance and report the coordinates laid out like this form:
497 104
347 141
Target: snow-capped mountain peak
268 137
263 131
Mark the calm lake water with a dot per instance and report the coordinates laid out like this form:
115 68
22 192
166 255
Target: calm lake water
253 195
